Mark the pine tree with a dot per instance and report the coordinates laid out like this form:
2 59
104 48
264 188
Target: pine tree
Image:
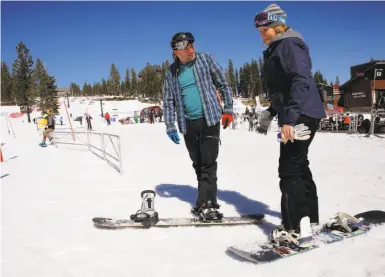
51 100
240 90
104 87
109 87
262 77
21 72
43 88
150 84
236 92
231 76
123 88
6 85
226 72
318 77
38 83
165 67
245 80
127 82
255 81
97 88
134 82
114 80
75 89
87 89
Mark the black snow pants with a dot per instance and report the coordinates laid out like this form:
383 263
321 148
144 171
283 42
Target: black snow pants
202 143
299 192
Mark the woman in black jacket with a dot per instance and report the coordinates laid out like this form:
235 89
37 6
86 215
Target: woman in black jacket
297 102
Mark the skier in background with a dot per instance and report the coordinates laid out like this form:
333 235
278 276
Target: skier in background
49 128
186 96
295 98
107 118
88 120
151 116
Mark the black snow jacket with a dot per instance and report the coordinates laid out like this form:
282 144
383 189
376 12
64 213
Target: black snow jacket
289 81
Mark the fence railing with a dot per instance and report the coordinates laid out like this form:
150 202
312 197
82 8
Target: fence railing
108 145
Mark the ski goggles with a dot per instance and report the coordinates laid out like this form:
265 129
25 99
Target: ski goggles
181 41
265 18
183 45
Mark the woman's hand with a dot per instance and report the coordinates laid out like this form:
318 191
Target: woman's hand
287 132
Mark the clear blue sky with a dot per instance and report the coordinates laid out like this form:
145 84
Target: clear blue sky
78 41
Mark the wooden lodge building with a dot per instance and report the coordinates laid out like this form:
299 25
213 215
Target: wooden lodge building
366 86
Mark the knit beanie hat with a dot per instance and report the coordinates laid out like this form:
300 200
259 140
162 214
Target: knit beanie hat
272 21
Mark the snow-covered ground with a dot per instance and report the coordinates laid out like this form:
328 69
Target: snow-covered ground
49 196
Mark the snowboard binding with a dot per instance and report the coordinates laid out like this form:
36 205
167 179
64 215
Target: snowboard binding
343 223
208 212
147 214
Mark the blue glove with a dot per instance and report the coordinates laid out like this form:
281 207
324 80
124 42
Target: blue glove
174 137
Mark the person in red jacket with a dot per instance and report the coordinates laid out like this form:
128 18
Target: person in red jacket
107 117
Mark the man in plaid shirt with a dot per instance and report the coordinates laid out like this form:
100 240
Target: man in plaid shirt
190 97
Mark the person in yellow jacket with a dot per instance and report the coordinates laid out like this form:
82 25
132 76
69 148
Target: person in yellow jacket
49 128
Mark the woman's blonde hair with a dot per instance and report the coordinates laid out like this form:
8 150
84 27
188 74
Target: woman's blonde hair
281 28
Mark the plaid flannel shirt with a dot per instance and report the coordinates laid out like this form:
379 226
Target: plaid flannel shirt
209 76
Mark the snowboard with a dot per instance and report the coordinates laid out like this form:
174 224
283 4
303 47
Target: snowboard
110 223
264 252
147 217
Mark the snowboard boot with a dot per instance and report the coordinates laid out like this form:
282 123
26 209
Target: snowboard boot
147 214
208 211
343 223
302 237
195 210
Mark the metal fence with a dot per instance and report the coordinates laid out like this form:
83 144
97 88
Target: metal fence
105 146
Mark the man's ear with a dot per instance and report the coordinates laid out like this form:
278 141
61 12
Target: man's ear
174 56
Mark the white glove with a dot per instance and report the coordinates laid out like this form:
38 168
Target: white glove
300 132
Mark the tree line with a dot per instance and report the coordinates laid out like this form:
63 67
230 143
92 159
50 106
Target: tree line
148 83
246 82
29 85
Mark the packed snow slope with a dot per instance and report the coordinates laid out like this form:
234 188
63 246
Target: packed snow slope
50 195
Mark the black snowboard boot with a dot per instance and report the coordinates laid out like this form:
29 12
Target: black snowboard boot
195 210
208 211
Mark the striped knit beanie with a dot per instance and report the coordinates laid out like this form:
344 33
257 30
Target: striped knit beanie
275 9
